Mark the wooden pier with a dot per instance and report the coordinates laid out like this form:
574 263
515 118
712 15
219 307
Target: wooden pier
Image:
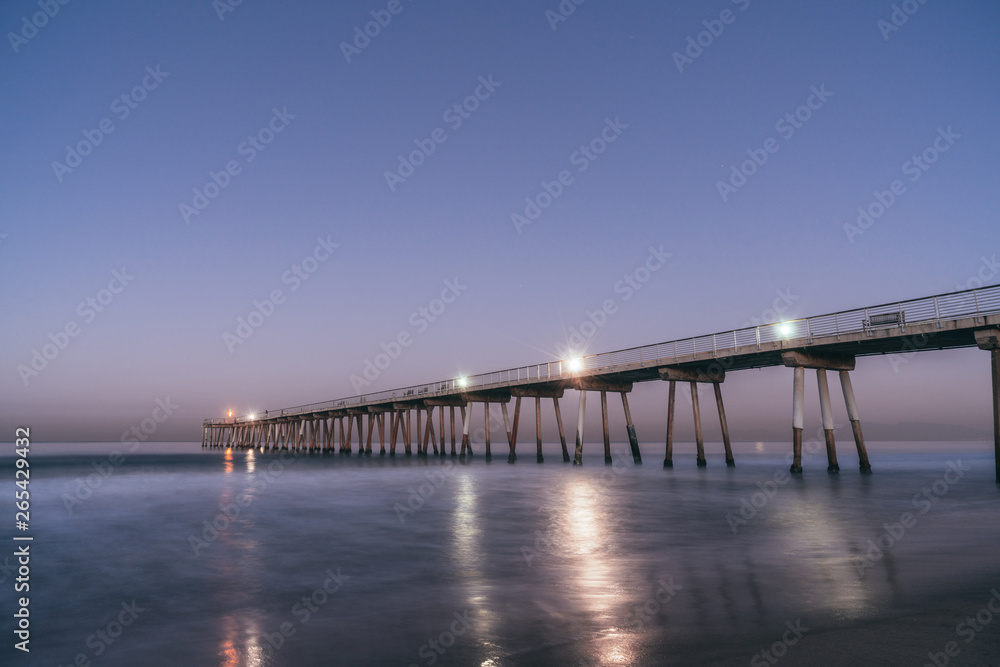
824 343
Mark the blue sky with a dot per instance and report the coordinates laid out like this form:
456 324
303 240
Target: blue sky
223 82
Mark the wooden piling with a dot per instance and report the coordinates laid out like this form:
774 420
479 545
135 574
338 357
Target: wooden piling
607 432
361 449
394 418
451 419
826 410
408 439
668 459
562 433
725 426
798 416
486 426
852 414
538 427
699 438
578 454
512 457
633 441
420 434
506 422
995 361
368 441
466 423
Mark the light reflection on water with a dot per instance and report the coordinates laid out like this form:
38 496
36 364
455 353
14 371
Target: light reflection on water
603 541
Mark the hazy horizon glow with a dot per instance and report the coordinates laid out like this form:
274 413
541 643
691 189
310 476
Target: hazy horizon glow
217 210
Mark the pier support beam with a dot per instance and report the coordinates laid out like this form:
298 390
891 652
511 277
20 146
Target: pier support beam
826 411
368 441
420 434
633 441
394 418
441 424
466 422
451 413
995 357
713 374
698 437
989 340
486 417
538 427
512 457
668 458
409 452
578 455
506 427
562 433
725 427
798 416
852 414
607 434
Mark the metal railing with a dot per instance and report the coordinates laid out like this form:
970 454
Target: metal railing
954 305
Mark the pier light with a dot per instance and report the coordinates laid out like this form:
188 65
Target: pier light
463 381
786 329
575 364
253 416
230 414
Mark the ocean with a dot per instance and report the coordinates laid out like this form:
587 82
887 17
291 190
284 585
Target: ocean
175 555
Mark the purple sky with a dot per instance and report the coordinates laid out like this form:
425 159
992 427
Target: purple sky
177 166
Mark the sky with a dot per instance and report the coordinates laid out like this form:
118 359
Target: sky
211 206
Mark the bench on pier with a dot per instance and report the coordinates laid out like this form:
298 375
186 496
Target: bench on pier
885 320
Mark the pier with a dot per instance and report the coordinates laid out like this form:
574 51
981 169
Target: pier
825 343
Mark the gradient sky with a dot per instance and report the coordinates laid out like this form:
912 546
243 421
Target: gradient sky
779 238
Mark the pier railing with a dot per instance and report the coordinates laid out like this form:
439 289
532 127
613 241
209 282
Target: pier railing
950 306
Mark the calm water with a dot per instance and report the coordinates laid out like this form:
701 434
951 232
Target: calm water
369 561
